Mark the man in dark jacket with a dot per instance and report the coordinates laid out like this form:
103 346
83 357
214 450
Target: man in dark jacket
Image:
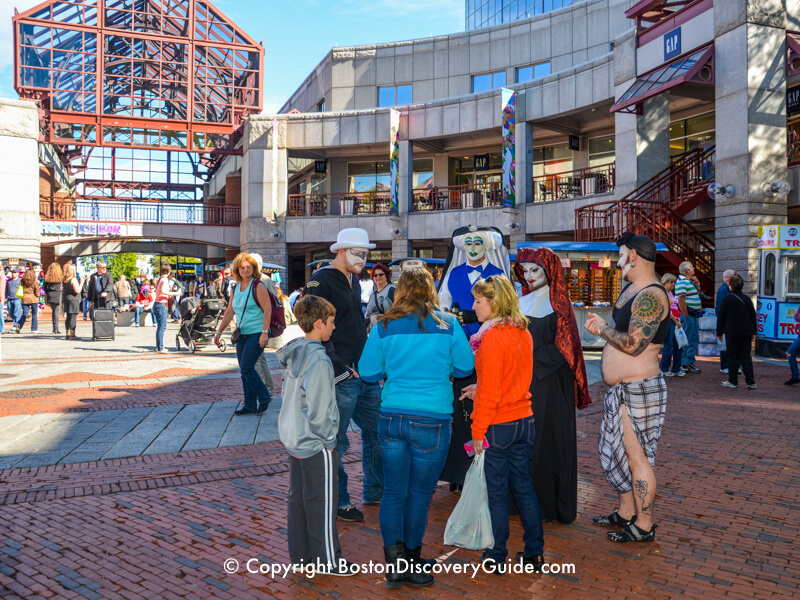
338 283
101 290
723 291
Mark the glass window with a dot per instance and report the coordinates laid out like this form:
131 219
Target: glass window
321 105
319 183
368 177
601 150
481 83
498 79
423 173
769 275
404 94
541 70
792 275
386 96
689 134
533 72
524 74
552 160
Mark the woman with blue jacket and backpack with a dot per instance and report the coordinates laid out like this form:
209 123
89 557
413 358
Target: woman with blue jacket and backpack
415 348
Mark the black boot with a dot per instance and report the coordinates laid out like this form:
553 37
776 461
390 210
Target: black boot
424 561
396 563
418 573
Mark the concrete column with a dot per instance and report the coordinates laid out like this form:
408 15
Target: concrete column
648 134
750 96
441 170
406 171
523 146
20 225
259 232
401 248
337 175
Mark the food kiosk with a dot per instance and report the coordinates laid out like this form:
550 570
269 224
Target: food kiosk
778 289
593 279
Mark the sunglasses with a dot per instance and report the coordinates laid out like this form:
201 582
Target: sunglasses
378 275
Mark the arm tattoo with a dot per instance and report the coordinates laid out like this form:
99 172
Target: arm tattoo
647 313
641 493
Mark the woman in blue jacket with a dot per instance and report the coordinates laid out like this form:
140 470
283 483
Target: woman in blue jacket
415 348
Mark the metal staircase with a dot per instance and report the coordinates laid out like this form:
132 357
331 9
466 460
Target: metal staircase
657 209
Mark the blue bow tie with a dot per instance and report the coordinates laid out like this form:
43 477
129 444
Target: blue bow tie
471 269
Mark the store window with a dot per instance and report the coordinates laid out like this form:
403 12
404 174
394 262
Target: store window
488 81
319 183
368 177
423 173
769 275
601 150
467 175
321 105
394 95
533 72
552 160
689 134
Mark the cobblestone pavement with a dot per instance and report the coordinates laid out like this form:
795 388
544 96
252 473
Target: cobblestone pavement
163 524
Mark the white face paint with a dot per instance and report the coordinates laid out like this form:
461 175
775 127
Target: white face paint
534 275
624 262
356 258
475 248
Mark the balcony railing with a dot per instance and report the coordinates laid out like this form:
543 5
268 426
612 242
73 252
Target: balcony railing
139 212
574 184
353 203
458 197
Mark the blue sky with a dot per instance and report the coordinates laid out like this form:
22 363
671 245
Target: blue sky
296 33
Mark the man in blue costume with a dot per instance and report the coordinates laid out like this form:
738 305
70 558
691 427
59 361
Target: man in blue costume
477 252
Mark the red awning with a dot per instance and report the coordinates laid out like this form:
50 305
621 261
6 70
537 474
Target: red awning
792 53
696 66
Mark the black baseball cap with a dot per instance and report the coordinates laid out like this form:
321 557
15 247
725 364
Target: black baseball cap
644 246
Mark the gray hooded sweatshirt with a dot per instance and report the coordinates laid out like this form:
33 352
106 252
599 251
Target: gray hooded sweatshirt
309 418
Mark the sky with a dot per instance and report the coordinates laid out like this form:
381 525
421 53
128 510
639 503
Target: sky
297 34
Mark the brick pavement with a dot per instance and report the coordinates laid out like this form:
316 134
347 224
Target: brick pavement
161 526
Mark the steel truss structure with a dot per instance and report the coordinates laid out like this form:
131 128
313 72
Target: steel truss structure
170 75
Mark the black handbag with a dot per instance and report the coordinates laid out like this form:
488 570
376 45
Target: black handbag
237 333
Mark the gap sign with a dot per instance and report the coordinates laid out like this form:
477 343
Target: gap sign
672 44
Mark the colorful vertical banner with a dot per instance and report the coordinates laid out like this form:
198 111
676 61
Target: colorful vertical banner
394 161
509 99
275 135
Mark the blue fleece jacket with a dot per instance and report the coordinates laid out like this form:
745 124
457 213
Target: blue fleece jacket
417 364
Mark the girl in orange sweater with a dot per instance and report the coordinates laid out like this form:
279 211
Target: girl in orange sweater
502 414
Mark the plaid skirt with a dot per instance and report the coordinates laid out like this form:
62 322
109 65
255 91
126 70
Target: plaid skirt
646 401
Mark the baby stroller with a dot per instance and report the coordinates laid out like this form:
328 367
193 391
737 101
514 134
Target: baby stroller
199 320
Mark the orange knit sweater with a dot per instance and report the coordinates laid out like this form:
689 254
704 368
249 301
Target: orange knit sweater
504 365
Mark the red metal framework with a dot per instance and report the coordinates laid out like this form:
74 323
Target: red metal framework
156 74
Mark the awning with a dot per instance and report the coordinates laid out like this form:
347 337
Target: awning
792 53
696 66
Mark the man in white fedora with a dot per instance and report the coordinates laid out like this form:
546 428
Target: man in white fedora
357 400
262 368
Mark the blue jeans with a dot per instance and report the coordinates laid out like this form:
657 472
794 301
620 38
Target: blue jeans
34 310
360 402
138 310
15 310
671 353
414 450
792 352
508 462
85 305
247 352
160 315
690 327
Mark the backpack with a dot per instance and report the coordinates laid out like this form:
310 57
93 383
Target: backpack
277 320
212 291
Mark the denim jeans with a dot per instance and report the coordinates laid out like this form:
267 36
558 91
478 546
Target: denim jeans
85 305
508 462
160 315
247 352
34 310
414 450
791 354
360 402
137 312
690 327
15 310
671 353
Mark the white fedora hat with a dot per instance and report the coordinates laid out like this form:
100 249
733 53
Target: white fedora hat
353 237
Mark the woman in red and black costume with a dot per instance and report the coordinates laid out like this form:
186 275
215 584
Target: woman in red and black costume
559 381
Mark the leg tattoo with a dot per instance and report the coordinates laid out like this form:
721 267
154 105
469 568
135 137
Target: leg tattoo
641 493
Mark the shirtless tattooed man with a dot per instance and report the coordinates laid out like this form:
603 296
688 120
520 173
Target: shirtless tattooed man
629 437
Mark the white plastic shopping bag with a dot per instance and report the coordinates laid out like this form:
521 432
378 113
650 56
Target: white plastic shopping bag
470 525
722 345
681 338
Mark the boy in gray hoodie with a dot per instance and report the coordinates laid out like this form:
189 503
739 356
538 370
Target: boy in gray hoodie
308 425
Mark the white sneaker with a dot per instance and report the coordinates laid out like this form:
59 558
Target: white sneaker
680 374
751 386
728 384
667 374
724 371
163 351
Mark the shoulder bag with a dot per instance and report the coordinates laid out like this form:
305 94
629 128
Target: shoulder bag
237 333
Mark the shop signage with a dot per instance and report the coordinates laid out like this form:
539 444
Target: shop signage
785 237
793 99
82 229
414 263
574 143
320 166
765 318
13 262
481 162
605 263
672 44
566 263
